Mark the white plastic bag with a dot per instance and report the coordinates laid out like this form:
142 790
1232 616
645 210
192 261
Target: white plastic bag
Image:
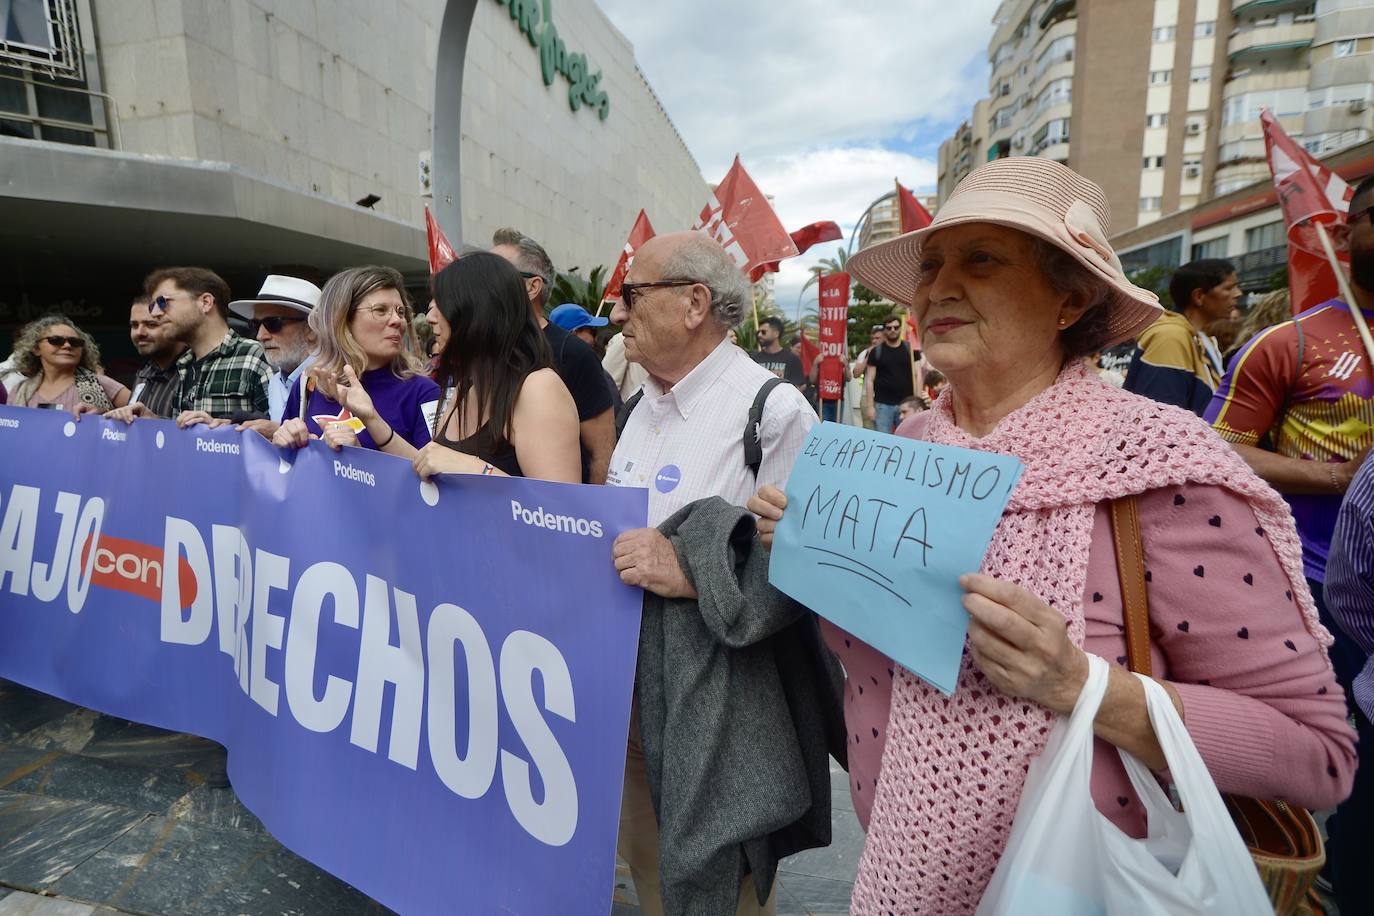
1064 858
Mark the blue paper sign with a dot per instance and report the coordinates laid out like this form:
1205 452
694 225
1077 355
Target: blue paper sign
424 688
877 532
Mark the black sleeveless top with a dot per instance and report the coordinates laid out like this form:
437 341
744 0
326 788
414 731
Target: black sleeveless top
483 445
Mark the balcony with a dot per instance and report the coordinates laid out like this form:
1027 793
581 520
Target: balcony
1057 11
1269 40
1266 7
1256 267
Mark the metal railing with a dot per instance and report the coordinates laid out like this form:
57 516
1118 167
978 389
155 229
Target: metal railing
109 109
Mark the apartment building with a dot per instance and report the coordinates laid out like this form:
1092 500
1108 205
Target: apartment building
883 220
1159 100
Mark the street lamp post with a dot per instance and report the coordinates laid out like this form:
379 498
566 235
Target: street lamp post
863 220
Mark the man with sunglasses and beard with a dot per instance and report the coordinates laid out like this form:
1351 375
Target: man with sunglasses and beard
1305 389
222 376
279 320
156 384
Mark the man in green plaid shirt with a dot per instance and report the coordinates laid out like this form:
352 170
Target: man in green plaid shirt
222 377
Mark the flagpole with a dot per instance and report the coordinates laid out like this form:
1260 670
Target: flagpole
1344 283
754 297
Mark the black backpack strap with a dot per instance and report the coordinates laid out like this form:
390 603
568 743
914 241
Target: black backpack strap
753 428
623 416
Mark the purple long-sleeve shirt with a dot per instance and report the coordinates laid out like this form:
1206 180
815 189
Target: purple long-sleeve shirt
1350 577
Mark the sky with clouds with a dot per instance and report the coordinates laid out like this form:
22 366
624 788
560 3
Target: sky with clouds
825 102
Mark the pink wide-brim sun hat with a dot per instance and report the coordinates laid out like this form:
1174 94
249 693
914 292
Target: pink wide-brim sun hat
1039 197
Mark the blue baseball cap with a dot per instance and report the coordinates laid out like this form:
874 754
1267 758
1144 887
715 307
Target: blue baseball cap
570 317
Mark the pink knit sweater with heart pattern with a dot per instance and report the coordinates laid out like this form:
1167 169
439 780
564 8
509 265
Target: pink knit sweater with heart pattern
953 768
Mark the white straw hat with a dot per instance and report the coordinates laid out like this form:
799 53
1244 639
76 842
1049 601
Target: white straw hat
292 292
1039 197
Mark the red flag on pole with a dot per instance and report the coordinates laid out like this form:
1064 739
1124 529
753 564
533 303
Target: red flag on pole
741 219
913 336
1309 193
834 327
640 233
913 215
441 253
803 238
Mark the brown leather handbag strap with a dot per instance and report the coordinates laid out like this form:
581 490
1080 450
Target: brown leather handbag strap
1130 567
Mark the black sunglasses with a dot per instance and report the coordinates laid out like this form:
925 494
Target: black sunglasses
56 342
1358 215
628 290
273 324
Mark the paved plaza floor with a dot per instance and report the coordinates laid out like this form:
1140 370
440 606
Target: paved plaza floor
101 816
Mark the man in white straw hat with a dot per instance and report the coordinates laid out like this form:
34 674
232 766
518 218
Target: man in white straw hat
278 319
1011 285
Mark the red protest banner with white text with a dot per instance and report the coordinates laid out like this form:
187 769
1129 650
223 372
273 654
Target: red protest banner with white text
834 332
741 219
640 233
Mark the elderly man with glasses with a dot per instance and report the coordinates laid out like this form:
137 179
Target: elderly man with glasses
736 701
279 320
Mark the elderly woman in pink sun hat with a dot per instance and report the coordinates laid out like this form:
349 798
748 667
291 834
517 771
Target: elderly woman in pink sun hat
1010 286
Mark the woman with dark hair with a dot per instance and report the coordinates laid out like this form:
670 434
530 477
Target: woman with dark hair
505 410
61 368
366 387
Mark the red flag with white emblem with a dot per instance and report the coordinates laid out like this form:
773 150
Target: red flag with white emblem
1309 193
741 219
640 233
441 253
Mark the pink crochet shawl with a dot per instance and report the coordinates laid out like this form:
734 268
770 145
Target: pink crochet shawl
953 768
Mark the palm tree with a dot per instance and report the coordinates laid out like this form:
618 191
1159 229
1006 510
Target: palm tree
570 287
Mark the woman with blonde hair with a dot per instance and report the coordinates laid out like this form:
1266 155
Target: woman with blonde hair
61 368
1274 308
367 387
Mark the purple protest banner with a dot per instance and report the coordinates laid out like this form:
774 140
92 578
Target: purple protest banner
424 688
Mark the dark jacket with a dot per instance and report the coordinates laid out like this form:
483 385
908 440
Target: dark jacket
739 709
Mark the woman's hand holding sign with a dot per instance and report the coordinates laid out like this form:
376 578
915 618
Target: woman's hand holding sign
1022 644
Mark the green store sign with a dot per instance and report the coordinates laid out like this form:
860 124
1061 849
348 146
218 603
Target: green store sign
554 57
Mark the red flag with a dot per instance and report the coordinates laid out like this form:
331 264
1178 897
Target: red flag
441 253
640 233
803 238
834 325
809 352
913 215
1309 193
741 219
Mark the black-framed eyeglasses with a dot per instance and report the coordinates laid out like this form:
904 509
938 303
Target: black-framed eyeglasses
273 323
529 276
628 290
56 341
1354 218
